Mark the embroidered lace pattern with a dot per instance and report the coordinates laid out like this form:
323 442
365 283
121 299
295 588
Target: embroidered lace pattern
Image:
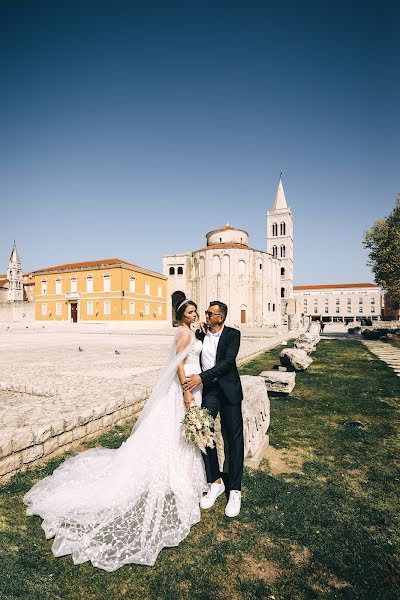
114 507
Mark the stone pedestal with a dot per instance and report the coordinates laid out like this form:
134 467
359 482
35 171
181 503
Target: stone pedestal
278 382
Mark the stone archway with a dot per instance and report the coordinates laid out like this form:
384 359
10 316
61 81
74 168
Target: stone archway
176 298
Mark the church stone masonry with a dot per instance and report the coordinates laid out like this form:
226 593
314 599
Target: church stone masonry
14 277
257 285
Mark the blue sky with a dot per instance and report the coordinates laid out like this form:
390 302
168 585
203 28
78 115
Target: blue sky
131 129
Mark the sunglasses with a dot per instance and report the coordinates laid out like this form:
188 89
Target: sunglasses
211 314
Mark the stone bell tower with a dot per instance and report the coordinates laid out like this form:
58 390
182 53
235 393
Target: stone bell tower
14 276
280 239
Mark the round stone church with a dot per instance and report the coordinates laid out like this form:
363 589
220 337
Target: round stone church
257 285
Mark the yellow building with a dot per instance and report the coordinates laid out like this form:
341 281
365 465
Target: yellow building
101 290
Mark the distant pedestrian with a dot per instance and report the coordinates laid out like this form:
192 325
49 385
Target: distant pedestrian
321 326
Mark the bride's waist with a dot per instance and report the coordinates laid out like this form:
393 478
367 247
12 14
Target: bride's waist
191 369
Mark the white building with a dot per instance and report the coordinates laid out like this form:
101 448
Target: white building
255 284
339 302
14 277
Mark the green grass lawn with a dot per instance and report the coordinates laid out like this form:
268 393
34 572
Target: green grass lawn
329 529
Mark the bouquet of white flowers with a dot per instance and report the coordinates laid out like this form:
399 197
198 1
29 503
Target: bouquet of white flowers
197 428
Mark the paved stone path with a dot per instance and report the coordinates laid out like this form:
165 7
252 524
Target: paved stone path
52 393
385 352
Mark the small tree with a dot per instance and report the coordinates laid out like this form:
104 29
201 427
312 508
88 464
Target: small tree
383 242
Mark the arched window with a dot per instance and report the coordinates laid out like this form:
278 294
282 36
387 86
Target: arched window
171 271
132 284
216 265
180 270
282 292
282 272
283 228
242 267
283 251
275 251
225 264
274 229
202 267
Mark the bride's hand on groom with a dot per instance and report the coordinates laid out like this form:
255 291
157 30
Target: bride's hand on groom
191 382
201 326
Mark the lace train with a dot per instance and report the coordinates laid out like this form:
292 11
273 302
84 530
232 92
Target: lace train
114 507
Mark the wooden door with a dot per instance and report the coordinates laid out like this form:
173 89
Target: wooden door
74 312
243 315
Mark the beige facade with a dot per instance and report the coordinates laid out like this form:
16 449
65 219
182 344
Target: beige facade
257 285
103 290
339 302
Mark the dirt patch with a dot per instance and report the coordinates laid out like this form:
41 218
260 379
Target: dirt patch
265 570
338 584
288 460
301 556
322 582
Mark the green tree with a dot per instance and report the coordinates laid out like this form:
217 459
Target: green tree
383 242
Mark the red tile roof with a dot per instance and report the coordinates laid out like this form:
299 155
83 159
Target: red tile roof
95 263
226 228
335 286
3 281
227 245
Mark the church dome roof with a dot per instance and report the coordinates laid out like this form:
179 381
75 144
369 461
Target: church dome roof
227 235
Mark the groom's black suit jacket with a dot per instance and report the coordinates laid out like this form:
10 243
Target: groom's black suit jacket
225 373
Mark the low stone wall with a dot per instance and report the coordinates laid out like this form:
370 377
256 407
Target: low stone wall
17 312
30 447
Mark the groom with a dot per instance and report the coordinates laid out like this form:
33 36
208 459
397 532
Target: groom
222 393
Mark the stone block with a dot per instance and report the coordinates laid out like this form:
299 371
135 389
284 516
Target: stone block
50 445
22 438
85 417
41 434
70 422
276 381
295 359
99 411
306 342
65 438
5 445
255 409
57 428
10 463
94 426
107 421
79 432
32 453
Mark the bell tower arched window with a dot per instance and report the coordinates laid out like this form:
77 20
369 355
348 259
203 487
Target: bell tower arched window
283 251
275 251
283 228
282 292
274 229
171 271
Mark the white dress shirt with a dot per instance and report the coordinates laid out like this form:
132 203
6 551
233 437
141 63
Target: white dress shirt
209 351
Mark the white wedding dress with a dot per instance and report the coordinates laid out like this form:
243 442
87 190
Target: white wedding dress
115 507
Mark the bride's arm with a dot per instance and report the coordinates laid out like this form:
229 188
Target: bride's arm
183 340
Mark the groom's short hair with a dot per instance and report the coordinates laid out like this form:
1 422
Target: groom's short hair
222 307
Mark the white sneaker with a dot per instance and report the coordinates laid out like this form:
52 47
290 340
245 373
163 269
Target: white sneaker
216 489
232 509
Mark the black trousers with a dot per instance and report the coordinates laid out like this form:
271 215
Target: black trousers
232 432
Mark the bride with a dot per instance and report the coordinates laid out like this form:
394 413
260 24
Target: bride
115 507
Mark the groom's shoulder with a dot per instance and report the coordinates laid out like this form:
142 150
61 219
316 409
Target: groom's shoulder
232 330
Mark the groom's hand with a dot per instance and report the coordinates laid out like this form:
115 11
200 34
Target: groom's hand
191 382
